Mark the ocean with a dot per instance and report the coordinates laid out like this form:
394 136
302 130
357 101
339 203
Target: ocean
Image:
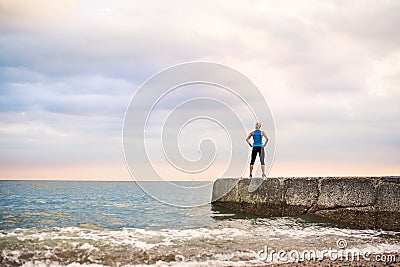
79 223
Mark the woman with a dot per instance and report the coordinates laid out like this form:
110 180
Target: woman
258 147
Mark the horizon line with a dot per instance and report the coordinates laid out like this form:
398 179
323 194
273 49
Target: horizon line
239 177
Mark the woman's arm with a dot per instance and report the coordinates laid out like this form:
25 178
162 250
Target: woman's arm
248 138
266 138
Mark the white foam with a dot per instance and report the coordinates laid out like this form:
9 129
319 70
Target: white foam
55 264
383 248
238 231
12 255
87 246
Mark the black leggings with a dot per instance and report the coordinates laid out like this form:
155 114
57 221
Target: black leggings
260 150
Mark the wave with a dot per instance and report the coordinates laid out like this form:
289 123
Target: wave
230 242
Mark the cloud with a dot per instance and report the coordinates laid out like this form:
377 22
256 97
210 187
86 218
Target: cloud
329 70
20 15
95 95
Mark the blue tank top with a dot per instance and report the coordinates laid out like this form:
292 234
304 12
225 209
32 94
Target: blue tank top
257 137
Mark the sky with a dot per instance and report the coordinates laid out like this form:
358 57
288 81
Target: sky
329 70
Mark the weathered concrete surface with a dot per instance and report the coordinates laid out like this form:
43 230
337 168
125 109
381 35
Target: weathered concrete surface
300 195
346 192
368 202
388 205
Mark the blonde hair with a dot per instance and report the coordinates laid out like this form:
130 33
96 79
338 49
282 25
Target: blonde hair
258 124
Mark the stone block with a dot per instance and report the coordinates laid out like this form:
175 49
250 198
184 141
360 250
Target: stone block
346 192
225 190
270 191
300 194
388 206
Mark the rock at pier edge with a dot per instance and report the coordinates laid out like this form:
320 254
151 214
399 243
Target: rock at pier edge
367 202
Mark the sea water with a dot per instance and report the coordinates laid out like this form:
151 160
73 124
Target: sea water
77 223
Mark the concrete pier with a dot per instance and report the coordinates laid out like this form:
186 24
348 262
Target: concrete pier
366 202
